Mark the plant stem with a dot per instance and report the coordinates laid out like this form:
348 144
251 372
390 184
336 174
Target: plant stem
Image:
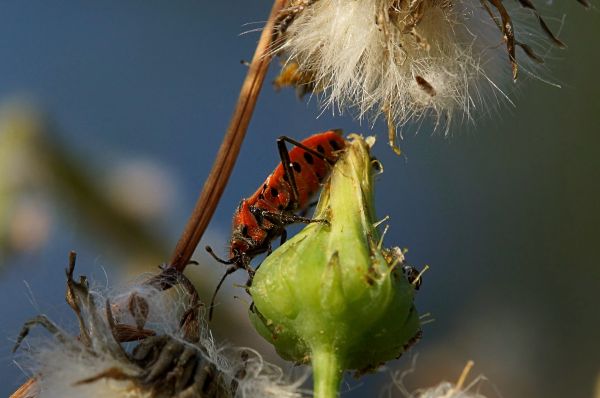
221 170
327 373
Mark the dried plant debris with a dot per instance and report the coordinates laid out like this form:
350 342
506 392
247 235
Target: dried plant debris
171 357
460 389
406 59
291 76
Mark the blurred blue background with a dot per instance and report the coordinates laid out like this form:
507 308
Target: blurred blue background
506 212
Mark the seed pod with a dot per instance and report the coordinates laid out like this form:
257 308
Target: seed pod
331 295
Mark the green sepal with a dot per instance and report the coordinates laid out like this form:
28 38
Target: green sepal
332 290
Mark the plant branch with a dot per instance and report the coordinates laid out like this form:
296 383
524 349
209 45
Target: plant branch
230 147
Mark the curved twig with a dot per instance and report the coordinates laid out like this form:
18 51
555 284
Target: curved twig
230 147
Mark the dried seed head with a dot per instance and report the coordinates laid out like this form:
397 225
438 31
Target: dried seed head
405 59
463 388
168 359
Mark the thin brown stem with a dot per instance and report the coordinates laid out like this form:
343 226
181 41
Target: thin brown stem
230 147
29 389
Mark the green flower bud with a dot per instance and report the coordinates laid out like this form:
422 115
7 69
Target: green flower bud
332 295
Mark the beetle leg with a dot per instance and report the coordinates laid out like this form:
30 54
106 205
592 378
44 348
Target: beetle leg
284 218
287 168
283 237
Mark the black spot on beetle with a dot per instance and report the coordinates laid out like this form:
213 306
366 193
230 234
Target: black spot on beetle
308 157
320 149
334 144
297 167
274 192
245 230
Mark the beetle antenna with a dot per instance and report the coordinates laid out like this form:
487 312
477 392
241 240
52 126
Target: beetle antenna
212 253
229 271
